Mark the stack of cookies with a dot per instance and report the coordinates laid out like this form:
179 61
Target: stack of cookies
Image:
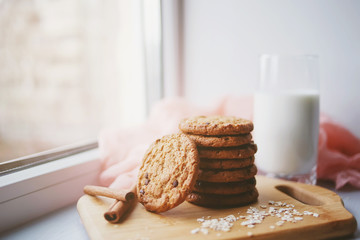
226 151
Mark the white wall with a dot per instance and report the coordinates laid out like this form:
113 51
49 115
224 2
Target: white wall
223 39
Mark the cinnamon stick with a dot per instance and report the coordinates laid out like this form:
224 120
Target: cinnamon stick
118 209
121 195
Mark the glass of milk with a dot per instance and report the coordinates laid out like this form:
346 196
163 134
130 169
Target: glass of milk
286 117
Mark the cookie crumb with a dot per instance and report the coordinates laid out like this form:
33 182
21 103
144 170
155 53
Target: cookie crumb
250 234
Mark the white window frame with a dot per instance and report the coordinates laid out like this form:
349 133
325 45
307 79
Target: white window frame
173 47
32 191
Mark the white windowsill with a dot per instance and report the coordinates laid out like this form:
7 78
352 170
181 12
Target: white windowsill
33 192
64 223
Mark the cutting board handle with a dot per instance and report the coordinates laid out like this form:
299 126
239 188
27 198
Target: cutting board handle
309 194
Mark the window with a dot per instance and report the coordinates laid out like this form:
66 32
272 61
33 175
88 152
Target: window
70 68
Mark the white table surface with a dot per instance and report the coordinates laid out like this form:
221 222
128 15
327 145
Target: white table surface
66 223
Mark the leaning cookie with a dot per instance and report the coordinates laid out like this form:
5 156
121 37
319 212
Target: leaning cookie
168 173
222 201
243 151
220 141
225 188
216 125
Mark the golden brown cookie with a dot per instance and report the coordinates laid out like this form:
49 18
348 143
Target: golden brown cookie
243 151
225 188
168 172
220 141
216 125
226 163
233 175
222 201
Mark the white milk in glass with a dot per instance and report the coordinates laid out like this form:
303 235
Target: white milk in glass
286 131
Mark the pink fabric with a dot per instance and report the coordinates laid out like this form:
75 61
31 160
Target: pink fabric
338 154
122 150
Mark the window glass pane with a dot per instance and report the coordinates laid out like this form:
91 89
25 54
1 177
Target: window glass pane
67 69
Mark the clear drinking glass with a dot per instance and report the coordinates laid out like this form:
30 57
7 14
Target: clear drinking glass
286 117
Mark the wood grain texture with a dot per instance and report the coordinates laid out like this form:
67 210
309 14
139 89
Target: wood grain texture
334 219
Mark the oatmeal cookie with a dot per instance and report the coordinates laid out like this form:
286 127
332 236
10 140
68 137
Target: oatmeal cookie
221 140
216 125
226 163
233 175
168 172
243 151
223 201
225 188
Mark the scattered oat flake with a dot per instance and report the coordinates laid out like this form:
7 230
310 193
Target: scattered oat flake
282 210
280 223
307 213
194 231
204 231
220 224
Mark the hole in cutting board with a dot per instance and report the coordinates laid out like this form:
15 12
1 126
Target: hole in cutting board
300 195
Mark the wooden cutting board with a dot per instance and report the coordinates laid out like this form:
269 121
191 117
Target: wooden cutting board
333 220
